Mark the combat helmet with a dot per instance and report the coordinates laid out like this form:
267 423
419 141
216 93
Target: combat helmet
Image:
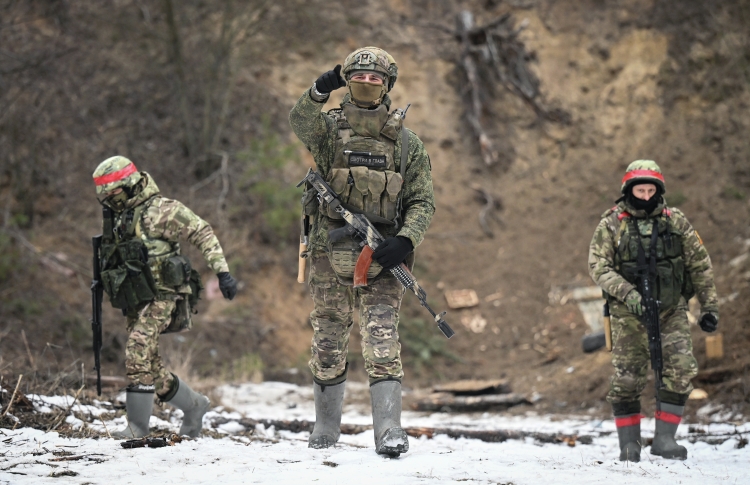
371 59
115 172
643 172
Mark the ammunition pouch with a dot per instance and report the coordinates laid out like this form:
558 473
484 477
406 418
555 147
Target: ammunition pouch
129 285
175 271
366 191
182 317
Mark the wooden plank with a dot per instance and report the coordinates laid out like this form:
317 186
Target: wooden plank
446 402
472 387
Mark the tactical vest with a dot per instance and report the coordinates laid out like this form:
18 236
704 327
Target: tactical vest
671 280
366 176
137 269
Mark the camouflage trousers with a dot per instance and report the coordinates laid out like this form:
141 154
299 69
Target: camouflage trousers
331 319
142 360
631 358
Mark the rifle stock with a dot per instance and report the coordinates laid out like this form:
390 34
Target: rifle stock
364 261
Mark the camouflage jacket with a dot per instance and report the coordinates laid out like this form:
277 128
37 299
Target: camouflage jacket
166 220
318 131
694 254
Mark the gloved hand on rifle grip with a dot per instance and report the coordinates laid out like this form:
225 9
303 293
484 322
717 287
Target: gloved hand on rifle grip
330 81
709 322
634 302
392 251
227 285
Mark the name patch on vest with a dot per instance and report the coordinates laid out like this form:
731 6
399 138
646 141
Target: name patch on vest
366 159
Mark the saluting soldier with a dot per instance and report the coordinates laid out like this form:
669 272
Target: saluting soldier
380 169
682 269
146 276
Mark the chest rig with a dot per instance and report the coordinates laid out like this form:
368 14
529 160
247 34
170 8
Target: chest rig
670 278
366 176
137 269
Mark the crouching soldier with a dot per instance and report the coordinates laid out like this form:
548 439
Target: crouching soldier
642 236
145 276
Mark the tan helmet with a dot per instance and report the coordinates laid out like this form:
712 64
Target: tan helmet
115 172
371 59
643 172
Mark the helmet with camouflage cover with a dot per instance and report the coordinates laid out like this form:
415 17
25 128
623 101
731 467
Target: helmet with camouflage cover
371 59
115 172
643 172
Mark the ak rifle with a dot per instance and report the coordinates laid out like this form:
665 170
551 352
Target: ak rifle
357 225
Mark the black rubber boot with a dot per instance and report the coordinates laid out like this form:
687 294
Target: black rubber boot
328 403
390 437
193 404
138 405
629 434
667 421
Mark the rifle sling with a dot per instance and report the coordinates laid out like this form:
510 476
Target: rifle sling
645 269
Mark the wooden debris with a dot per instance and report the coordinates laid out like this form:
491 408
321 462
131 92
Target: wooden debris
490 436
461 299
491 55
697 395
473 387
715 346
446 402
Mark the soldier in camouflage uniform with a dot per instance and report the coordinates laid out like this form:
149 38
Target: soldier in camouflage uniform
380 169
683 269
146 277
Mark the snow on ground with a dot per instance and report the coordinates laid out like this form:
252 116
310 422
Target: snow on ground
26 455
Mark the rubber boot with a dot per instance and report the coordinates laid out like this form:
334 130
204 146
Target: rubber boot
328 403
193 404
138 405
667 421
629 434
390 437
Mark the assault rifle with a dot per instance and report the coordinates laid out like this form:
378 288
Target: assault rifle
650 305
96 310
359 226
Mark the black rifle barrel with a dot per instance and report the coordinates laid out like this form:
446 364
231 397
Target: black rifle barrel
96 310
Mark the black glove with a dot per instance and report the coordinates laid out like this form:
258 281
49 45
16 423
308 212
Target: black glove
709 322
227 285
330 81
393 251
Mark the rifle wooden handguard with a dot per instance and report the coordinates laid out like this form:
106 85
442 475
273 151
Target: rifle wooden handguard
362 267
302 263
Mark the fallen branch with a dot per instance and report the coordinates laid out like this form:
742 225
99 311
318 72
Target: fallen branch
62 417
490 436
13 396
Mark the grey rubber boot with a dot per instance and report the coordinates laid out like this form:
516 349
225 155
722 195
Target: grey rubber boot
138 405
667 421
328 403
630 440
194 405
390 437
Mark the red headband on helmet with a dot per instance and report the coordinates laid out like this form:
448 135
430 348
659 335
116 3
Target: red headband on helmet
115 176
642 173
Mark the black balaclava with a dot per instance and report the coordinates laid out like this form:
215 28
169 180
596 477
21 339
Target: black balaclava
645 205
